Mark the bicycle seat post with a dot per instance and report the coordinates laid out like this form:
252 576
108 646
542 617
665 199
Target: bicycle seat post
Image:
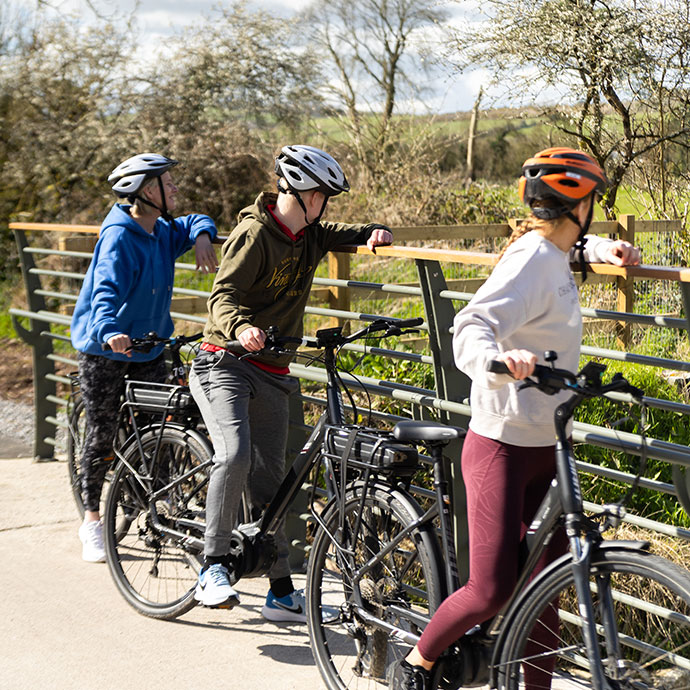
443 502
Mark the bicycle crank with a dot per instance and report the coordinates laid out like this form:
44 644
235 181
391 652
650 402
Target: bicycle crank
252 553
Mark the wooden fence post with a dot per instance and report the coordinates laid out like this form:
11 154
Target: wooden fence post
339 297
625 291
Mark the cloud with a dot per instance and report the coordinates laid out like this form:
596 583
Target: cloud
157 21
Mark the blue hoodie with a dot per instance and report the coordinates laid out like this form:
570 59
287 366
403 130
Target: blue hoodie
128 286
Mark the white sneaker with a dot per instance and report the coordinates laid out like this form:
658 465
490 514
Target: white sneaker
214 589
291 608
91 535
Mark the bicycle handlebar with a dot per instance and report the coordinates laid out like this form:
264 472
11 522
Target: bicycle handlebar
150 340
586 382
390 326
328 337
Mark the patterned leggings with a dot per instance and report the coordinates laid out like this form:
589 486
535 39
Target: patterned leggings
102 384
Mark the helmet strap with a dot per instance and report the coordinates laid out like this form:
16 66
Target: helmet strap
307 222
581 239
163 211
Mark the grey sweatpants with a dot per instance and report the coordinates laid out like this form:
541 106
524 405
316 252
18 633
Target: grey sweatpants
245 410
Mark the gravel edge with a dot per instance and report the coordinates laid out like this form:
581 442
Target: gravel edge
17 421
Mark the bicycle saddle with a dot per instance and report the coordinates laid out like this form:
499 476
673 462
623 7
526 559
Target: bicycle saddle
427 431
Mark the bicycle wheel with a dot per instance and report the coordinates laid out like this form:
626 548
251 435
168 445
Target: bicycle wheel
76 431
349 652
156 573
76 434
650 602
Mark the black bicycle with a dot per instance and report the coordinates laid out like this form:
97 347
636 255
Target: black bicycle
155 508
178 351
385 563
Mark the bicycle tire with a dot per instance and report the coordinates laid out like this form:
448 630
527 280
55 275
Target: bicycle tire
157 574
348 653
76 431
648 639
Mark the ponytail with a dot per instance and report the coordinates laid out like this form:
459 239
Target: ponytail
533 223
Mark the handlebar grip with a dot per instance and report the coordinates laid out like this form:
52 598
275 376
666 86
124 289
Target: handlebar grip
635 391
495 366
235 347
105 347
409 323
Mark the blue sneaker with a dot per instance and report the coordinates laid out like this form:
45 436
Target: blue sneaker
213 588
290 608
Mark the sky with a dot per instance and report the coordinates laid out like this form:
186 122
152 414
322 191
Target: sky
157 20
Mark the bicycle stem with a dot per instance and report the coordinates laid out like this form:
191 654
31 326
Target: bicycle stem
334 399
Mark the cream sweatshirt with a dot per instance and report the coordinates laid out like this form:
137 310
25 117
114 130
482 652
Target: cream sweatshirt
530 302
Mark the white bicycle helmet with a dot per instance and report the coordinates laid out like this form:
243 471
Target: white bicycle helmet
131 175
304 168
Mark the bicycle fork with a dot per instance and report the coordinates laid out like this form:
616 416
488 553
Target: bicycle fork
581 563
581 553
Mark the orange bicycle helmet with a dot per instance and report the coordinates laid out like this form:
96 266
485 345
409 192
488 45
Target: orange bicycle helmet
563 173
567 176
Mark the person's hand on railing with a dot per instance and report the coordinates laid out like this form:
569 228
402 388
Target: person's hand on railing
381 235
622 253
206 259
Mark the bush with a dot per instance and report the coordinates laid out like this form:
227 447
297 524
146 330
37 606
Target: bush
663 425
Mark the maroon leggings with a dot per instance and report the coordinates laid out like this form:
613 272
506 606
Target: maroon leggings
505 485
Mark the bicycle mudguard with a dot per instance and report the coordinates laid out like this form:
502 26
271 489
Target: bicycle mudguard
564 561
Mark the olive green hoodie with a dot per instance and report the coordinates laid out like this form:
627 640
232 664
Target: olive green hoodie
264 276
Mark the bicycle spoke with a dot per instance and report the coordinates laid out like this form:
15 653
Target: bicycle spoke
153 566
650 608
351 653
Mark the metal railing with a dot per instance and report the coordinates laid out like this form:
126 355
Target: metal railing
447 397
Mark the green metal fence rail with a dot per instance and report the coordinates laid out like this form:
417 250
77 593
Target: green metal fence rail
51 290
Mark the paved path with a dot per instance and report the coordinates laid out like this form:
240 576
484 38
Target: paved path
63 625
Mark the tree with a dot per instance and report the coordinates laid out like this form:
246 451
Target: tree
616 70
240 83
372 52
64 98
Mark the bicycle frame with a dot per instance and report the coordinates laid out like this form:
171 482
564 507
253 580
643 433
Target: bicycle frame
562 504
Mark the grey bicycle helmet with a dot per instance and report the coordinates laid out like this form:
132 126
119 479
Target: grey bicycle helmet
304 168
131 175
